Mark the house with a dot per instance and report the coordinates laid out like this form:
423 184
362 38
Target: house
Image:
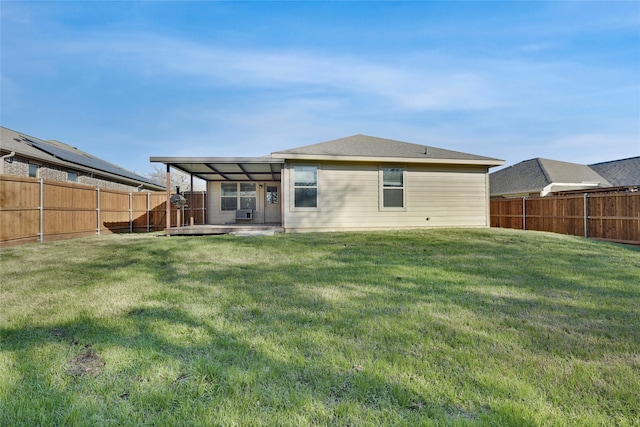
541 177
354 183
24 155
620 173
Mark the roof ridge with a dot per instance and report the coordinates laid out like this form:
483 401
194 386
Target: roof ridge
543 169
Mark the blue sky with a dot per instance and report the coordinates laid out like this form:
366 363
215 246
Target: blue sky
512 80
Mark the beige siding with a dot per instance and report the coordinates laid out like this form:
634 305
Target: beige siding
348 198
217 216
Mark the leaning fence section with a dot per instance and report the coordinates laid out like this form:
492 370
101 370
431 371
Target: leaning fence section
33 210
609 216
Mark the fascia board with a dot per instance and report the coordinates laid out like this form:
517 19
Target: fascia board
316 157
194 160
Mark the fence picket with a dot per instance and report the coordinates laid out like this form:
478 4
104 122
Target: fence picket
610 216
33 210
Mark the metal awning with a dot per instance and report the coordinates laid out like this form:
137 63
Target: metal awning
249 169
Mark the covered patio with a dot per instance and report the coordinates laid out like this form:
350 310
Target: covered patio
259 212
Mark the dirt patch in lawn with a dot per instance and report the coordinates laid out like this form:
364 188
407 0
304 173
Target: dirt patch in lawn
86 363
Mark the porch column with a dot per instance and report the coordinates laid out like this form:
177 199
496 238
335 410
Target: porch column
168 207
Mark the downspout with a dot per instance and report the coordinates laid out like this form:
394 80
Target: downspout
6 156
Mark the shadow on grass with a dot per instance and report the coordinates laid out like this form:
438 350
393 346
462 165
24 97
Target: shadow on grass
164 376
368 324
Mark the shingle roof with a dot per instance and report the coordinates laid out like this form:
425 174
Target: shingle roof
620 173
532 176
364 146
61 154
558 171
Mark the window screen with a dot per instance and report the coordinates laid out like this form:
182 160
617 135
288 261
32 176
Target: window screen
305 182
393 187
234 195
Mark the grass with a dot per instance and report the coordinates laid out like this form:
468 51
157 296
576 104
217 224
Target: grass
441 327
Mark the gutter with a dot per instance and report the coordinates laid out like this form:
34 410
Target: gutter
6 156
328 157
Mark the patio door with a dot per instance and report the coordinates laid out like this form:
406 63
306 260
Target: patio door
272 211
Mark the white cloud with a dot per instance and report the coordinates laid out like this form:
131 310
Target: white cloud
409 85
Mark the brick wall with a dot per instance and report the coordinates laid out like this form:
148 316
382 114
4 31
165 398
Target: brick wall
18 166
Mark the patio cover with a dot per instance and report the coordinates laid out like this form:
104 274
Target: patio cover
248 169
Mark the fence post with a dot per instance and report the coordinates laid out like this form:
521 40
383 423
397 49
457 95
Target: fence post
168 205
524 213
148 211
130 212
41 233
98 210
586 216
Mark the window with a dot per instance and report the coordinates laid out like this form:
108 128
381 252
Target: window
72 177
305 186
34 170
272 194
237 196
248 196
229 197
393 187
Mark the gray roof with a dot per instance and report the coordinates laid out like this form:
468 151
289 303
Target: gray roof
363 146
226 168
63 155
620 173
352 148
532 176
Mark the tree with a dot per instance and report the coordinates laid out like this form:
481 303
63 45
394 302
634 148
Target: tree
180 179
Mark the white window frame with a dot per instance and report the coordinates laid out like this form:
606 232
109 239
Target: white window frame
37 166
293 188
381 187
238 196
72 175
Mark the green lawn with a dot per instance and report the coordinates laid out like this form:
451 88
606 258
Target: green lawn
441 327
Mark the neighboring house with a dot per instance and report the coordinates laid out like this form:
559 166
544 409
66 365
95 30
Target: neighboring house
354 183
620 173
539 177
24 155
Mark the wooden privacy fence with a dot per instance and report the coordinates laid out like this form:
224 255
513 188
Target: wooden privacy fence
34 210
611 216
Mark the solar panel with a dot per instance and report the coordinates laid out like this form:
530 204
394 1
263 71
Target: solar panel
84 160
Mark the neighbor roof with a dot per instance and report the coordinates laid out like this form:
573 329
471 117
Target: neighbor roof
370 148
532 176
620 173
61 154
